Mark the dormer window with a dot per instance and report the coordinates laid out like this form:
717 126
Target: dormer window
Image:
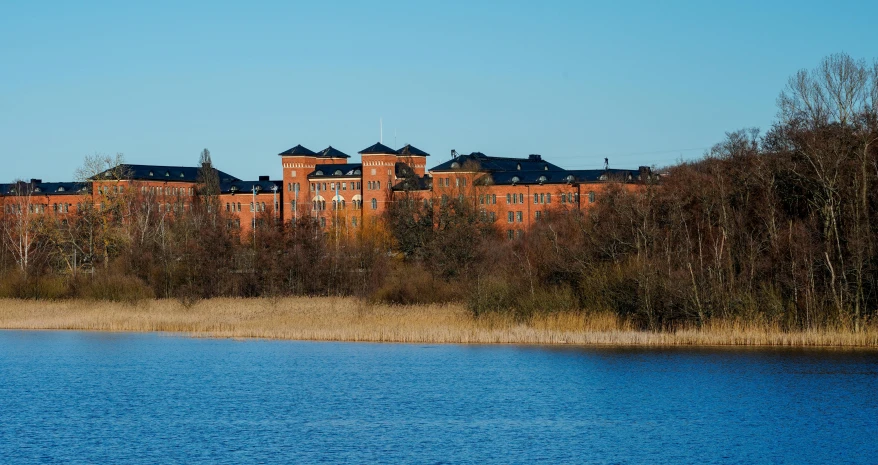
545 167
234 189
542 179
570 178
37 189
603 177
167 174
357 172
181 175
455 165
337 173
515 179
151 173
61 189
518 167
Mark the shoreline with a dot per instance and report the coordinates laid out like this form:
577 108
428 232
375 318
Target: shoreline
335 319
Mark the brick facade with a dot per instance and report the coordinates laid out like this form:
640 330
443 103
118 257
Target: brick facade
339 195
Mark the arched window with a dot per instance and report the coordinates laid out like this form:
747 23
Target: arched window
591 197
374 204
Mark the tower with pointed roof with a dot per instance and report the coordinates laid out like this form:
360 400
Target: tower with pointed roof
379 175
297 162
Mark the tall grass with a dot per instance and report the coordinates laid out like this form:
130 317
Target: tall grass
348 319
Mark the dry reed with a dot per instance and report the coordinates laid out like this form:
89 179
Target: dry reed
347 319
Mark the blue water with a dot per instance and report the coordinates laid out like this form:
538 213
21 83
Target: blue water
78 397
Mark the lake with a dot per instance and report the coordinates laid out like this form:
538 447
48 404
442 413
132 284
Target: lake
85 397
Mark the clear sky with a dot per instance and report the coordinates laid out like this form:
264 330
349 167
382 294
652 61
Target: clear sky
643 83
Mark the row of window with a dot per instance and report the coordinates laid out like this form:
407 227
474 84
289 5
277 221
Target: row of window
446 182
189 191
373 185
320 205
38 208
490 199
322 186
513 233
515 217
257 207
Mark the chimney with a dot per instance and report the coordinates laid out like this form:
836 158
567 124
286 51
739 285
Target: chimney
263 178
36 181
535 157
645 173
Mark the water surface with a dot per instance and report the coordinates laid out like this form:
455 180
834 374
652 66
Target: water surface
80 397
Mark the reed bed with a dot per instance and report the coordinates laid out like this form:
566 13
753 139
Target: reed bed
348 319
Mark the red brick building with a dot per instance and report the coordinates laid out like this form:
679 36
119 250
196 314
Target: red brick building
338 194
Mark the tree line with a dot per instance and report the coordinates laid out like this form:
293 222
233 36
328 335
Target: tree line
777 227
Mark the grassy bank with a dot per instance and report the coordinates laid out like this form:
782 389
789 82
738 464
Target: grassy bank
343 319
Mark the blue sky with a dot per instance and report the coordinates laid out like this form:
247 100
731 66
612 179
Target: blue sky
643 83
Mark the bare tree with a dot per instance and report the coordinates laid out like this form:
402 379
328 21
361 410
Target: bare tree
21 218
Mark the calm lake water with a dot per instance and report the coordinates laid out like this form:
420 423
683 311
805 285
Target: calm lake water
78 397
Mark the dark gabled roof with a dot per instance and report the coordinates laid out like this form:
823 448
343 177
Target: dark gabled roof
378 148
495 164
45 188
558 177
330 152
246 187
158 173
616 175
411 150
414 184
297 150
337 171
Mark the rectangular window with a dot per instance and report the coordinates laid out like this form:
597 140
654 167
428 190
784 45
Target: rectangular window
510 234
520 233
537 214
520 198
508 198
493 216
542 198
519 217
549 198
536 198
511 216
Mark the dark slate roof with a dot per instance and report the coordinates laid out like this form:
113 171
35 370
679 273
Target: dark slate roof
46 188
297 150
246 187
411 150
494 164
161 173
330 152
557 177
337 171
414 184
378 148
